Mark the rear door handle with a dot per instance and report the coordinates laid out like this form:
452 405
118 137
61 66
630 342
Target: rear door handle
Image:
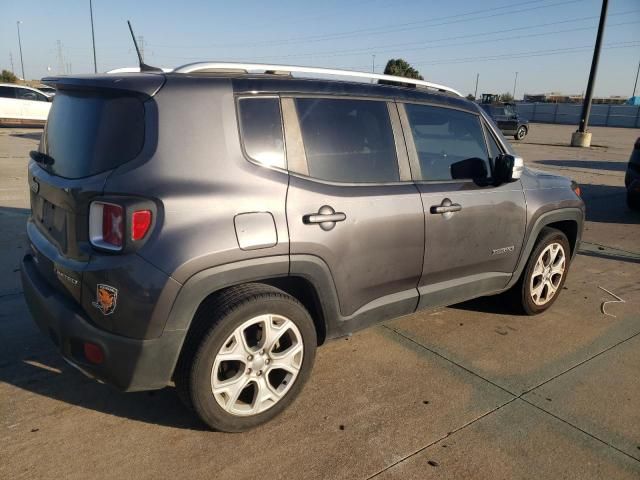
326 218
447 206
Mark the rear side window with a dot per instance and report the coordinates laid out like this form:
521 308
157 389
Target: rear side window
87 134
7 92
261 130
348 140
450 143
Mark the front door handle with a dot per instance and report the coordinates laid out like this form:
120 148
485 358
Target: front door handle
446 207
326 218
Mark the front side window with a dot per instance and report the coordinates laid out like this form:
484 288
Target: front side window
449 143
348 140
261 130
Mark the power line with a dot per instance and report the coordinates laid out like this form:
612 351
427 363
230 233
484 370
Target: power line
430 46
427 23
529 54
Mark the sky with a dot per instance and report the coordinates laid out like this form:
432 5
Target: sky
548 42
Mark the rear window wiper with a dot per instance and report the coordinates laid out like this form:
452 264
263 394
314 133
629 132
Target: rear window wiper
42 158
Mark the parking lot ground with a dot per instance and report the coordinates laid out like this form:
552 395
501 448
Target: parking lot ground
470 391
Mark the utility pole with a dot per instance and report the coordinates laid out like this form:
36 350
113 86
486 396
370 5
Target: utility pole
93 38
61 67
634 85
11 60
514 86
20 46
582 138
475 95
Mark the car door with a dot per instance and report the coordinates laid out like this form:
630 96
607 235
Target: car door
9 104
473 230
351 202
510 119
33 105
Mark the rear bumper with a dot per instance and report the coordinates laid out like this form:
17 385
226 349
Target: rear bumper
129 364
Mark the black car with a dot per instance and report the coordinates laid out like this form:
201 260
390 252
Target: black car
632 177
507 118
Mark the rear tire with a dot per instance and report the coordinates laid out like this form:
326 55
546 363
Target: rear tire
520 133
248 356
545 273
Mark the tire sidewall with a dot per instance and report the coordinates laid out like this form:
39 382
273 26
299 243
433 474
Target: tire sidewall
202 396
524 133
552 236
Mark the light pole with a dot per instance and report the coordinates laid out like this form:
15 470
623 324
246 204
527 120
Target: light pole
636 84
514 87
93 38
582 138
373 64
475 95
20 46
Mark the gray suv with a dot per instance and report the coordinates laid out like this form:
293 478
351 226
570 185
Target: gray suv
211 226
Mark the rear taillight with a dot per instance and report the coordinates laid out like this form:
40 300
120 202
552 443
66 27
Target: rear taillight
140 223
576 188
112 226
106 225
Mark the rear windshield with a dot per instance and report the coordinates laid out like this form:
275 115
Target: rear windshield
89 133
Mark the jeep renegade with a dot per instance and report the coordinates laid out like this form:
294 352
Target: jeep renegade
211 227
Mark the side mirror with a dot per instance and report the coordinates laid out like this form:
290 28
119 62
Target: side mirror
507 168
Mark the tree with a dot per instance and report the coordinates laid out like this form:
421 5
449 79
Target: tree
471 97
506 97
8 77
400 68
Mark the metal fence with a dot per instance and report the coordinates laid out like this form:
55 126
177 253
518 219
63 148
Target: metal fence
569 113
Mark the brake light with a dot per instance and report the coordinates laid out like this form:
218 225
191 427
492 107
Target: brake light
140 223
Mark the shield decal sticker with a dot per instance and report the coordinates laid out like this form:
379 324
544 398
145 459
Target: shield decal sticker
106 298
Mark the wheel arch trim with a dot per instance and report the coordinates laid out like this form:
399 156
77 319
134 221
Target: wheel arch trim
573 214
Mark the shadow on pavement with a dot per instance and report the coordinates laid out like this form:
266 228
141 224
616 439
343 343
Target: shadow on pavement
30 135
592 164
49 376
608 204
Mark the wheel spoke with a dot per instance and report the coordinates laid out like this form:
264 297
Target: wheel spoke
277 326
539 268
231 389
235 348
290 360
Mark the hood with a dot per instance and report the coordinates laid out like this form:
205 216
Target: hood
533 179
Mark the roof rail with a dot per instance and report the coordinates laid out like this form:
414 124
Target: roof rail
264 68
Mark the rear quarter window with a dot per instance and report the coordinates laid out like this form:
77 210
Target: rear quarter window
261 130
89 133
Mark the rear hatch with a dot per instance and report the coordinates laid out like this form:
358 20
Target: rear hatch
96 124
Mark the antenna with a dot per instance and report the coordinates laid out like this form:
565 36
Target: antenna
143 66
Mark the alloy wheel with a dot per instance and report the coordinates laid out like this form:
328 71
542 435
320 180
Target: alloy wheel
257 365
547 274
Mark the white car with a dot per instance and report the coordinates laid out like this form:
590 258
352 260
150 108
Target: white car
20 105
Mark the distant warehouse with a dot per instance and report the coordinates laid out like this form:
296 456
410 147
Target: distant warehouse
557 97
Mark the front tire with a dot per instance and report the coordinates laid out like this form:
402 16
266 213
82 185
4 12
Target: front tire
545 273
254 355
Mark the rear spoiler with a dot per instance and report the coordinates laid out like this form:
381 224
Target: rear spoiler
146 84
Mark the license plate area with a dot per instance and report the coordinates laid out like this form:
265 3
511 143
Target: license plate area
53 223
